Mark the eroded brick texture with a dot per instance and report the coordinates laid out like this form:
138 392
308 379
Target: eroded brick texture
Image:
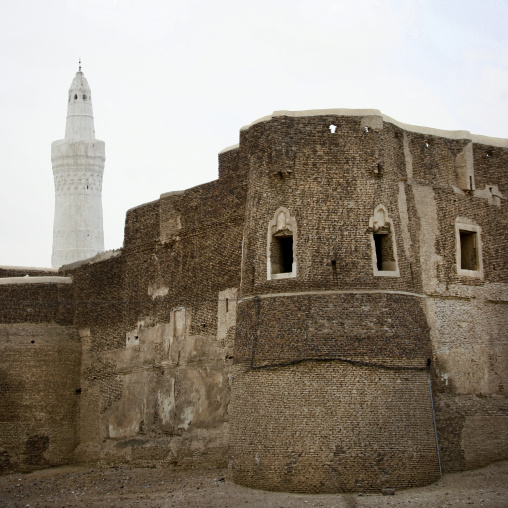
316 371
155 372
338 313
388 329
331 426
39 395
36 303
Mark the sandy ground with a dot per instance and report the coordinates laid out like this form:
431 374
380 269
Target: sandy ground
85 486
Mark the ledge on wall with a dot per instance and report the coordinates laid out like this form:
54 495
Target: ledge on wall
35 280
101 256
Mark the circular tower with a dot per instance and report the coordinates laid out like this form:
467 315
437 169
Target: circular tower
331 389
78 166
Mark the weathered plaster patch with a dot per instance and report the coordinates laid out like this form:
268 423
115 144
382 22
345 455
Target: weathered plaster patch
427 211
467 371
491 193
166 403
373 122
404 220
226 312
144 332
156 291
408 157
124 427
186 417
199 397
468 330
465 168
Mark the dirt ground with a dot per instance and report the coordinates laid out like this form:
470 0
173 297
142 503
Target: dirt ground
84 486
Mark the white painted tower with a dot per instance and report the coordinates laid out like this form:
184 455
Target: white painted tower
78 165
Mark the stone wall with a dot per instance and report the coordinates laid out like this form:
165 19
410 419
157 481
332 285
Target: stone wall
23 271
334 318
36 300
380 328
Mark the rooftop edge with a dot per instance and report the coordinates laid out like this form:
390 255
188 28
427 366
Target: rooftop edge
47 279
459 134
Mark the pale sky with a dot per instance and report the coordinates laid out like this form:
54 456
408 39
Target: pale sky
174 81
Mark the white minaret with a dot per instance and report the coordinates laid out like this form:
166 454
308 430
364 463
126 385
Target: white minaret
78 165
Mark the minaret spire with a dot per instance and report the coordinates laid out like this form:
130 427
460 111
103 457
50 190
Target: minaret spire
79 109
78 165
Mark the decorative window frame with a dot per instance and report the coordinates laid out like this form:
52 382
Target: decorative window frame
465 225
277 224
379 220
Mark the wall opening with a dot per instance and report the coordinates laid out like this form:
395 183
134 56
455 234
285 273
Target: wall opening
281 245
468 249
282 254
384 250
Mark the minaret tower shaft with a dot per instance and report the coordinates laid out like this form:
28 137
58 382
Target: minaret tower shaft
78 166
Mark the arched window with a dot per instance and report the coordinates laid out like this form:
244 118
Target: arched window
384 248
281 246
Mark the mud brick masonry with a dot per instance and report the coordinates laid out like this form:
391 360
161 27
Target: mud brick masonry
329 315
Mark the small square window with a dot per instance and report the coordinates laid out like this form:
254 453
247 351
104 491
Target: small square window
468 250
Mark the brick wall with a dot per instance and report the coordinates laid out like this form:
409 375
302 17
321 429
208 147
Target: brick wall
155 374
338 307
331 427
39 395
330 387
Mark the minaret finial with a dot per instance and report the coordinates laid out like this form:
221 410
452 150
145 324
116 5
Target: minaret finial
79 64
